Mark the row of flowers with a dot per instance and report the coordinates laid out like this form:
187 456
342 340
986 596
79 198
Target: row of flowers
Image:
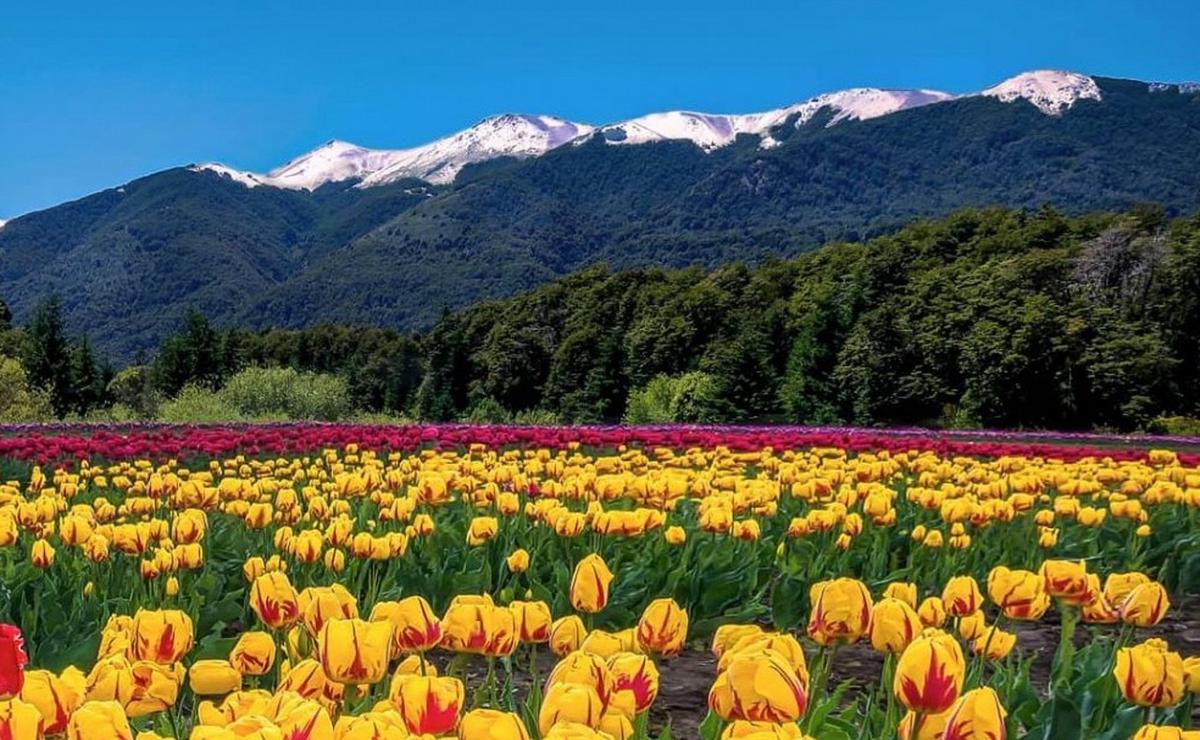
47 443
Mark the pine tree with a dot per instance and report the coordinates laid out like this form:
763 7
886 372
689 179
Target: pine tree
49 359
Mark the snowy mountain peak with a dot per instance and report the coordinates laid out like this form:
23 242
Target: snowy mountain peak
507 135
1050 90
522 136
710 131
2 222
439 162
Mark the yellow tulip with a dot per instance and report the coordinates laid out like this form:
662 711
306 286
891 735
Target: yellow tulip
675 535
233 707
1145 605
977 715
335 561
841 611
42 555
374 725
1191 674
99 720
491 724
301 718
482 529
758 685
428 704
274 600
1150 675
782 643
253 654
585 669
894 625
575 731
1162 732
1118 585
603 644
636 674
417 628
518 561
961 597
319 604
161 636
932 612
55 696
214 677
307 678
1066 580
1020 593
20 720
478 626
930 673
355 652
589 584
746 730
662 629
906 592
567 635
616 725
915 726
570 702
533 620
727 635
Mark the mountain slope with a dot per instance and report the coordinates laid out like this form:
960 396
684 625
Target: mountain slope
521 209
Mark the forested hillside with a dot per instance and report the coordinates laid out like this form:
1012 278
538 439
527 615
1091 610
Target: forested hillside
997 317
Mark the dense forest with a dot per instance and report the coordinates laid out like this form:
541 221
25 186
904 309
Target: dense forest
997 318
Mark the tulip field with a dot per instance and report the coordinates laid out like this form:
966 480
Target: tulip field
357 582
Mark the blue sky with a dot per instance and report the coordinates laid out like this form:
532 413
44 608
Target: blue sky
94 95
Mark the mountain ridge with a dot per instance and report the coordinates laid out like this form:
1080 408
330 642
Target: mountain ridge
129 260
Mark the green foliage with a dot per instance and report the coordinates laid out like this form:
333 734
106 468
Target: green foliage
19 401
133 390
195 404
259 393
988 317
691 397
48 361
652 404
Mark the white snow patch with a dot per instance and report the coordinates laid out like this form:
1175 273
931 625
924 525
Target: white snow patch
2 222
508 135
438 162
1051 91
710 131
249 179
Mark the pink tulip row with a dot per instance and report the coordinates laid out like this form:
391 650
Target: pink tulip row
48 443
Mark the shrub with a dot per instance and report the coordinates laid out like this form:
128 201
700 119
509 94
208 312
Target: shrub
196 404
19 401
691 397
283 392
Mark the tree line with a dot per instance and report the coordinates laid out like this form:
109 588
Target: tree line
988 317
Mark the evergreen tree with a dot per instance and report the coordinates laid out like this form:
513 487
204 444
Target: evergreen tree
49 354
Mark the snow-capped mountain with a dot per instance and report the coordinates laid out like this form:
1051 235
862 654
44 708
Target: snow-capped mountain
709 131
438 162
1051 91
